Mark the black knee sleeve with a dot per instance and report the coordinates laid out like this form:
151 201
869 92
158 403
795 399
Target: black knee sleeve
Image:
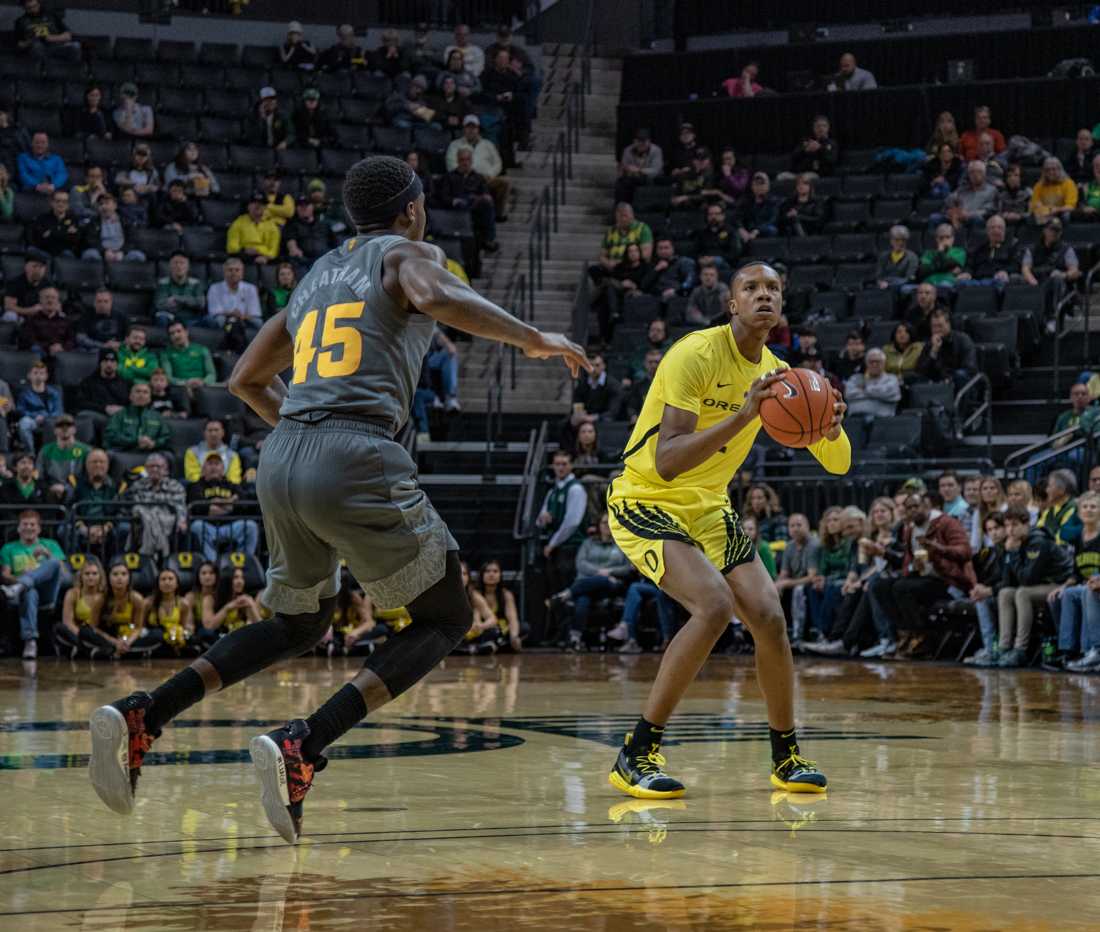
252 648
441 617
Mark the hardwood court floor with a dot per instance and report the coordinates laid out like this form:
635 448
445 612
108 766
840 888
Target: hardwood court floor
960 800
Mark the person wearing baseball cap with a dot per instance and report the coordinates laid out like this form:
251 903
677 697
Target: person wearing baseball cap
683 152
295 52
312 126
251 238
21 294
61 461
487 162
132 118
267 126
641 163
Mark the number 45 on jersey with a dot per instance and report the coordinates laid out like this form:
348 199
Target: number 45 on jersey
341 347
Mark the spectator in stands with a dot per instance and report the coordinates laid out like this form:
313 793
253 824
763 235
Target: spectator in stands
36 404
252 237
92 500
1055 196
1094 479
48 332
473 58
933 555
969 143
637 594
465 189
83 198
312 127
897 265
561 519
1075 604
948 355
802 214
266 125
1034 566
179 294
733 180
1014 201
164 398
602 570
994 261
345 55
596 394
945 132
442 360
1080 162
849 360
133 119
834 555
44 34
406 106
815 155
104 392
991 501
175 210
466 84
758 213
213 495
21 295
954 503
419 56
1080 415
14 139
872 393
142 175
796 570
989 560
61 462
1051 261
1059 517
642 161
137 426
160 508
233 299
763 504
919 314
91 120
683 152
306 237
450 106
625 230
716 243
386 59
973 202
941 173
102 327
745 84
39 169
131 207
504 84
709 299
939 266
7 195
135 359
278 295
196 175
994 170
588 453
1088 204
214 443
296 52
278 205
670 275
23 488
185 363
1019 495
521 63
639 387
31 568
57 231
486 162
699 186
624 285
850 77
105 238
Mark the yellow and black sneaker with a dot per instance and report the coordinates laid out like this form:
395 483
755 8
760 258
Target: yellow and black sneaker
795 774
641 775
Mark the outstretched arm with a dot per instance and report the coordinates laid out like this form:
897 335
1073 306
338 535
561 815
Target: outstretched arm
255 377
429 288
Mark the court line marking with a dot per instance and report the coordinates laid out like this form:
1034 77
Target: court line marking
536 891
603 830
556 825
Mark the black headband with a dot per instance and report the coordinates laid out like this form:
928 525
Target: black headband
385 212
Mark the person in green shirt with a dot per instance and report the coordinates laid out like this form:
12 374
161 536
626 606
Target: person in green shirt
939 266
31 572
187 363
625 231
61 461
137 426
1080 413
135 359
179 296
1088 204
752 529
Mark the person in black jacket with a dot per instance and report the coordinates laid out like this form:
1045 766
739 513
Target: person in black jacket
103 392
996 260
717 242
465 189
312 127
817 153
57 231
175 209
305 237
989 568
23 488
1034 566
101 327
802 214
948 354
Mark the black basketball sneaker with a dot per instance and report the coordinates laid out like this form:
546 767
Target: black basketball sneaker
285 776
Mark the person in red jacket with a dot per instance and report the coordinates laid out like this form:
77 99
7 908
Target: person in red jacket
932 555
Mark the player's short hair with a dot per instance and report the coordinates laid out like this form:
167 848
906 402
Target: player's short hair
742 269
372 182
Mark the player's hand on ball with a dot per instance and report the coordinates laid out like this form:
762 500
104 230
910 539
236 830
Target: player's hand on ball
839 407
547 345
759 390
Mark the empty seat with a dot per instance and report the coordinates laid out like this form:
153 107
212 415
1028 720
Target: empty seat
176 126
132 276
148 74
182 100
370 86
331 85
297 160
770 249
357 111
218 129
201 76
852 247
897 436
156 244
834 303
203 243
251 158
71 368
1003 329
451 223
392 140
27 206
349 136
78 275
832 334
249 80
186 432
15 364
889 211
1023 298
863 186
219 53
217 402
849 216
808 249
854 276
114 152
976 299
227 103
172 50
210 338
810 276
133 305
129 49
11 238
42 119
219 214
434 142
873 302
259 56
922 394
907 185
39 93
235 187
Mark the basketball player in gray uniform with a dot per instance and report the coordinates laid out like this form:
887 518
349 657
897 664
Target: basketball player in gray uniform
333 484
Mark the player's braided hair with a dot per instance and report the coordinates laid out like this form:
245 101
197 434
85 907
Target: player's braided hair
372 182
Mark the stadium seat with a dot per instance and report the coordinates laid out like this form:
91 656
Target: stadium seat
71 368
219 214
451 223
219 53
209 337
287 82
27 207
176 126
11 238
111 152
227 103
873 303
156 244
185 564
186 432
808 249
770 249
248 80
251 158
1003 329
854 276
370 86
78 275
848 217
132 276
862 187
433 142
143 569
351 136
832 334
254 576
895 437
882 331
15 364
834 303
903 185
170 50
923 394
204 243
976 300
39 93
45 119
392 140
259 56
810 276
337 162
69 71
111 72
297 160
852 247
134 50
217 402
652 197
133 306
889 211
331 85
149 74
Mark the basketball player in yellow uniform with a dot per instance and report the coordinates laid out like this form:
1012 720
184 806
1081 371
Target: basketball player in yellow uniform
671 515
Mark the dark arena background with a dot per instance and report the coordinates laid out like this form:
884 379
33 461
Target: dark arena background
924 177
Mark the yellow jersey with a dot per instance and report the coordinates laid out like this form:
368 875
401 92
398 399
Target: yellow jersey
705 373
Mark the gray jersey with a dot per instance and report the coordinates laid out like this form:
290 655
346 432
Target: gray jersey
356 352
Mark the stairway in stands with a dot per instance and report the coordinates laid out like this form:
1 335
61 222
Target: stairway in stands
545 387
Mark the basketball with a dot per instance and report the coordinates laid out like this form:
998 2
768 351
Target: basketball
801 412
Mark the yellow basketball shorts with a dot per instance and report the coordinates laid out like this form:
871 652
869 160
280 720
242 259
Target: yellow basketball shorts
643 518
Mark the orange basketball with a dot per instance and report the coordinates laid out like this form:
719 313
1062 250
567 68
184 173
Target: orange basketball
802 410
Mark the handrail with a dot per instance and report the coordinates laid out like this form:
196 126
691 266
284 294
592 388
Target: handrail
1045 450
981 380
532 465
1062 304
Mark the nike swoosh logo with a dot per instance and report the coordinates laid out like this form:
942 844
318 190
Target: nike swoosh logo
724 384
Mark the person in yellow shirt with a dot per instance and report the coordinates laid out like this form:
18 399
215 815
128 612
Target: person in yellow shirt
252 237
671 515
1055 195
278 207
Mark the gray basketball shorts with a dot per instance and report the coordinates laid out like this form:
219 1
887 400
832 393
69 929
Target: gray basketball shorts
342 489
